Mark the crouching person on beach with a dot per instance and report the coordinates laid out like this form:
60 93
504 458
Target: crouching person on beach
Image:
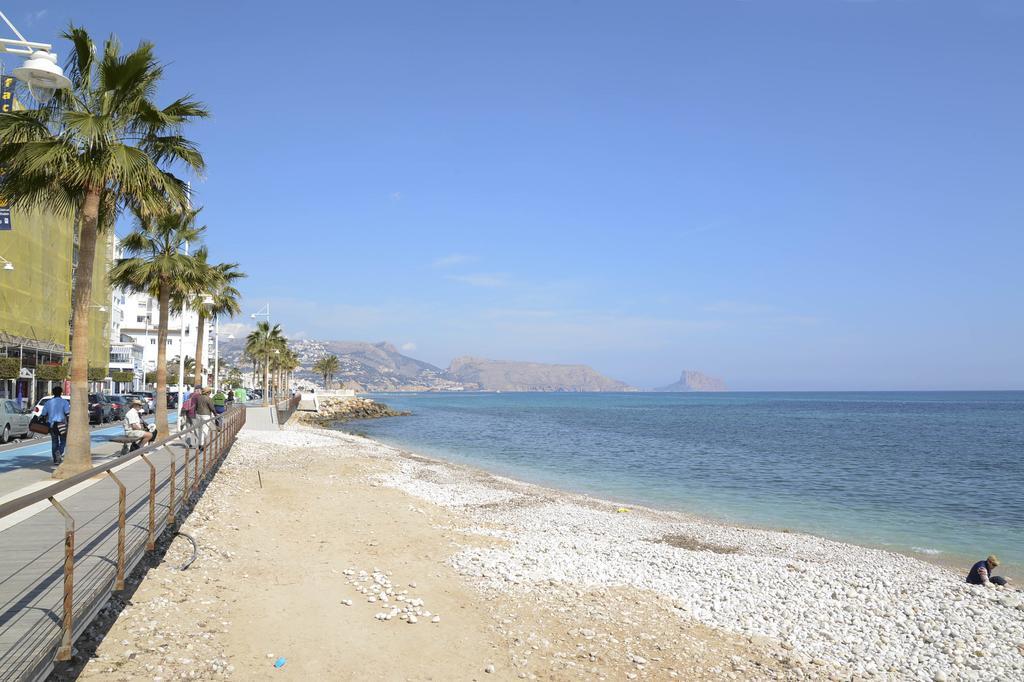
981 573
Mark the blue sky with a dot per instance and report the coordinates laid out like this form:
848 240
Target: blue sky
790 195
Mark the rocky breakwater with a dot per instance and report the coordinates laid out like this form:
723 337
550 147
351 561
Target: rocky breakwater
337 410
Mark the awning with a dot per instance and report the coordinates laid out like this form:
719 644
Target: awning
31 344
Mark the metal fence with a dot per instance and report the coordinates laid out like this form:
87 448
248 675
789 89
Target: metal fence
286 408
64 549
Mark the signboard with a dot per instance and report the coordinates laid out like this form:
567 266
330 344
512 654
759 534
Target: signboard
6 105
6 93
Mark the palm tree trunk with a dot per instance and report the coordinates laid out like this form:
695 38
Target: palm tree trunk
78 456
164 299
199 351
266 381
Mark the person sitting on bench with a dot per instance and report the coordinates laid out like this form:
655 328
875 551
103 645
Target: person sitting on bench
134 427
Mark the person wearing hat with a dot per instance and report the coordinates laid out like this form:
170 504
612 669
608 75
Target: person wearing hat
981 573
134 427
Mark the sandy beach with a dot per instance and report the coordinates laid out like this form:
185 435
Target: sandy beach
349 559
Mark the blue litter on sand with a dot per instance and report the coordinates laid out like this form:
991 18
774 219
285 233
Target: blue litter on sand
279 663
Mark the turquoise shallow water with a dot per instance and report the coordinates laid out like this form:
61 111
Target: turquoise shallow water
940 474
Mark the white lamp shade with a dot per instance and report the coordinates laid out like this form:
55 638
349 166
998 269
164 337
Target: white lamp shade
43 75
8 266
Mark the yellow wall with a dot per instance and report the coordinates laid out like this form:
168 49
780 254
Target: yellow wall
35 297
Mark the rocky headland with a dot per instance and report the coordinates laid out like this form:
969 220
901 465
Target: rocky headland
691 381
341 410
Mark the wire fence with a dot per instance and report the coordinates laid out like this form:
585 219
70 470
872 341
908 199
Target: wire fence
65 548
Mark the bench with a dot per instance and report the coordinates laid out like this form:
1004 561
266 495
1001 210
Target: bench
126 442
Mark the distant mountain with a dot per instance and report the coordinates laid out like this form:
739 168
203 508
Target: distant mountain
495 375
694 381
361 365
381 367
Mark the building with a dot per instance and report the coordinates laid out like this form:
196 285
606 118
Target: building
134 320
39 253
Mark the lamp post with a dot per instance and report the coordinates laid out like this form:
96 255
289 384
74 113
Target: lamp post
181 351
8 265
39 70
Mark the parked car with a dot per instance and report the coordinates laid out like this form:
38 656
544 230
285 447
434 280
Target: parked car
119 405
38 409
100 411
14 421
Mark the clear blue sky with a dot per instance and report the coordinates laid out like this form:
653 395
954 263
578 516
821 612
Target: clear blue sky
790 195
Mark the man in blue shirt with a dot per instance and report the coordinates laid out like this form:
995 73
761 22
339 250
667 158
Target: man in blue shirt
55 413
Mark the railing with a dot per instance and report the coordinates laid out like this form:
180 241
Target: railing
50 589
286 408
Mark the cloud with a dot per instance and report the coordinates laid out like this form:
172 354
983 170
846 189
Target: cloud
452 259
396 196
239 329
482 280
408 346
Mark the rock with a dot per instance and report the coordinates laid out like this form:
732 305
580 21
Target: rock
412 619
489 668
435 619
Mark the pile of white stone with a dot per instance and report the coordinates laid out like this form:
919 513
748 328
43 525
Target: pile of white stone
378 589
867 612
263 449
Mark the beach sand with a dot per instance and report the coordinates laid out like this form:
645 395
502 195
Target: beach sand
529 583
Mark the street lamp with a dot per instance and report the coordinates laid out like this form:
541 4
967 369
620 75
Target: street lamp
8 265
40 70
208 302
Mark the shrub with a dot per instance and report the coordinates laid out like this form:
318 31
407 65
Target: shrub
52 372
10 368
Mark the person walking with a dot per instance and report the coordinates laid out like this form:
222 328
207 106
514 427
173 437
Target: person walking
219 400
205 410
55 413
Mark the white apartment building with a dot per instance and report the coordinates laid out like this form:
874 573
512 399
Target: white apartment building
134 321
138 315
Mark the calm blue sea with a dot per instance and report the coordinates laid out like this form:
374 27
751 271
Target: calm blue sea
933 473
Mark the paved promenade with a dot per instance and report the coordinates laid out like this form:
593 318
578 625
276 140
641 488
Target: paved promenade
32 548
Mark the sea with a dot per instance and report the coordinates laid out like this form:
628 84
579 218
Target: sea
939 475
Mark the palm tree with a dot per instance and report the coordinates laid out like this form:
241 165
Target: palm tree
156 265
172 365
289 365
216 296
326 367
261 345
94 149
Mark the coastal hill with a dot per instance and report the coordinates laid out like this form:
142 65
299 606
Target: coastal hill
496 375
381 367
692 381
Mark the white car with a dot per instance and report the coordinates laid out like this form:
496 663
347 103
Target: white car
38 409
14 421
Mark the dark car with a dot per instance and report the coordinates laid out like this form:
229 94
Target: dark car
119 406
100 411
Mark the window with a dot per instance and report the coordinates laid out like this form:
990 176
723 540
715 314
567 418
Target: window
140 318
152 342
